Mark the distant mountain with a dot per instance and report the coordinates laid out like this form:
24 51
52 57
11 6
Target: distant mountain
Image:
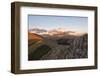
59 32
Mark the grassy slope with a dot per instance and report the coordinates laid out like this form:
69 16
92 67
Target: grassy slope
37 48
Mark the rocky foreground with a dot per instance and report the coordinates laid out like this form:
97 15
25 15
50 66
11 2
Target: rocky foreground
70 47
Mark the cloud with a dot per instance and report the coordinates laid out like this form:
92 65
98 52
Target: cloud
37 30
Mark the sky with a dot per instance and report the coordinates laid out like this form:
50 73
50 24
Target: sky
68 23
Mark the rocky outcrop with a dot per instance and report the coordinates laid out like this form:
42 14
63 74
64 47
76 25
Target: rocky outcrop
71 48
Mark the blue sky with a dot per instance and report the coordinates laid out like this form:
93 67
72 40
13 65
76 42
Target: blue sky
70 23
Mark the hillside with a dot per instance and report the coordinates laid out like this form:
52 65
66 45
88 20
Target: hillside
33 36
36 46
64 46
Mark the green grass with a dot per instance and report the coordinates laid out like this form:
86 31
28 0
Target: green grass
35 45
31 42
37 48
39 52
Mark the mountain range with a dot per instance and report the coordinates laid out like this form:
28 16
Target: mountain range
59 31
